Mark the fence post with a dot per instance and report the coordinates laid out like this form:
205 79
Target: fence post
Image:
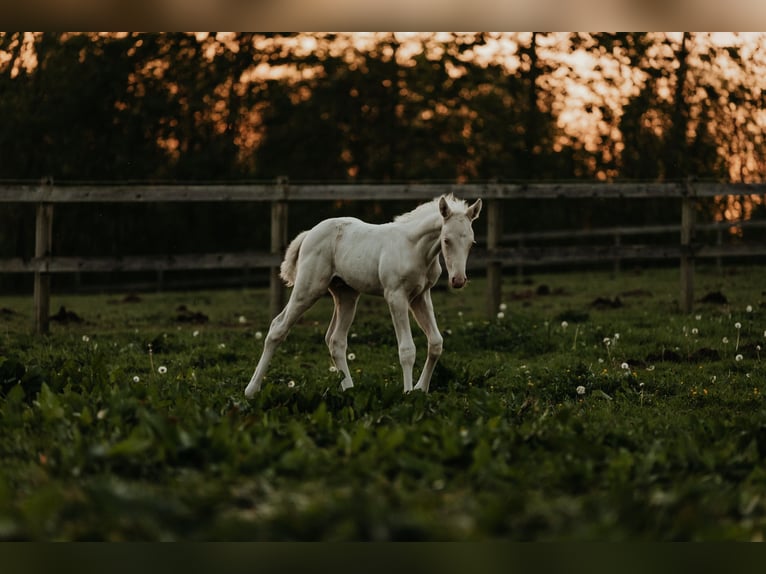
277 291
494 268
688 213
617 264
42 282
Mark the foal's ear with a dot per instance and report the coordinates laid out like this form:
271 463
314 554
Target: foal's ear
444 207
473 211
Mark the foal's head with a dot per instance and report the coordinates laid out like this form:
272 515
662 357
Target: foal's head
457 237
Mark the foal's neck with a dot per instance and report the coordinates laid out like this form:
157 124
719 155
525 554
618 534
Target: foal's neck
425 233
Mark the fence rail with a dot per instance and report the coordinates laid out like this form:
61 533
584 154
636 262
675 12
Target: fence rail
492 253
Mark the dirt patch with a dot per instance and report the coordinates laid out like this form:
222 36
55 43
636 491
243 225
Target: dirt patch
715 298
65 317
606 303
187 316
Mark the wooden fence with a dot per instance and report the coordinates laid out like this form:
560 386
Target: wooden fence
493 255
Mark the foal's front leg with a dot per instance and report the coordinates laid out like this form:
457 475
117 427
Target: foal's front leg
399 307
423 309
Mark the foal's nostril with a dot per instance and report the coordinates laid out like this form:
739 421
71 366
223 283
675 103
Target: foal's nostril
458 282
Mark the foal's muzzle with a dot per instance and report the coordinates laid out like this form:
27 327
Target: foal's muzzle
458 281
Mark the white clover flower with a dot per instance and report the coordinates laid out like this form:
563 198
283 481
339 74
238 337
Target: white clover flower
351 356
580 390
625 366
738 358
136 379
749 308
500 315
162 369
242 320
564 325
290 384
258 335
101 415
221 345
600 361
503 306
737 325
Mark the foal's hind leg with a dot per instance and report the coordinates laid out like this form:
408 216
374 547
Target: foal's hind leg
345 299
301 299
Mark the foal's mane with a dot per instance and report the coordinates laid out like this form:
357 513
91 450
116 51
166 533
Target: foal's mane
424 209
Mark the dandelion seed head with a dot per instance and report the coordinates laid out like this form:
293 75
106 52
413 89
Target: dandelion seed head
738 358
242 320
749 308
85 338
351 356
580 390
136 379
258 335
625 366
737 325
290 384
698 317
221 345
500 315
503 306
195 334
695 331
725 340
333 369
162 369
616 336
564 324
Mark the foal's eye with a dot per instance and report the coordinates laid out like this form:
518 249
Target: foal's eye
446 243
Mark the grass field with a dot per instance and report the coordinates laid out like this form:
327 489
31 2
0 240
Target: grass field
589 409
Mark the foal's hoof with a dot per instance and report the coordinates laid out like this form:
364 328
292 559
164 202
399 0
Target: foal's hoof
346 384
250 391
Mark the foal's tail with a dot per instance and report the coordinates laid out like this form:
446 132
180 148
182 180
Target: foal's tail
289 265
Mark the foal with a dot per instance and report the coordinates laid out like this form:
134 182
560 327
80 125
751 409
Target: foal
398 260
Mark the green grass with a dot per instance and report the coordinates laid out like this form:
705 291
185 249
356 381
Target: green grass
665 440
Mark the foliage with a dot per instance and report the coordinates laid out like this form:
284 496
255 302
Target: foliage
556 420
